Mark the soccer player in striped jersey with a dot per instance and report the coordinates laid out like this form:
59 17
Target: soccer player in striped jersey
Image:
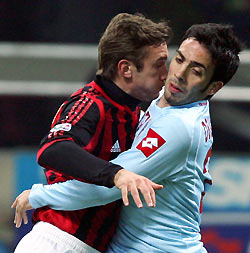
99 122
172 146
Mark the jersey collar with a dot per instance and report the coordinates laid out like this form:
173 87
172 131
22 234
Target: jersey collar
115 93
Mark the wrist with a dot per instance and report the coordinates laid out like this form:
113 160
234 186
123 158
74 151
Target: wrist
117 175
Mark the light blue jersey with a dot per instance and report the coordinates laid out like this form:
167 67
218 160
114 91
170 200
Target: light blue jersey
172 147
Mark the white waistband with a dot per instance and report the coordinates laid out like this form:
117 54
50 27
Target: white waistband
62 236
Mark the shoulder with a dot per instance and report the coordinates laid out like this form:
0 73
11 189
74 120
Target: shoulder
89 98
181 123
81 106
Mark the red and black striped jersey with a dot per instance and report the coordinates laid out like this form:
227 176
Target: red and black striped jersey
99 119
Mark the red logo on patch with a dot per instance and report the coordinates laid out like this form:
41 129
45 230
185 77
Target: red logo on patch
150 143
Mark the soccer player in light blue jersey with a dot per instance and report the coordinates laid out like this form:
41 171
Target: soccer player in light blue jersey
172 147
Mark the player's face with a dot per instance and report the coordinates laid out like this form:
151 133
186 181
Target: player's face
149 81
189 76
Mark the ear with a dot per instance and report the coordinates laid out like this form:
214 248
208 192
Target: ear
214 87
124 68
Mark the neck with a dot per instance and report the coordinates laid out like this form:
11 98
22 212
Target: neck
163 102
115 93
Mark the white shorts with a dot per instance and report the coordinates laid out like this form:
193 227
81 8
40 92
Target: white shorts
47 238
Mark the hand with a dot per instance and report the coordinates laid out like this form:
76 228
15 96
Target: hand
22 205
128 181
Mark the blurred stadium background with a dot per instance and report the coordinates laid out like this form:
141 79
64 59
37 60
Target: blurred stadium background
48 49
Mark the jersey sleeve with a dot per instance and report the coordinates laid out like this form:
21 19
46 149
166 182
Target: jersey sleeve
77 119
72 195
75 124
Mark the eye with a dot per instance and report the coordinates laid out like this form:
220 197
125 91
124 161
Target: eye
178 59
197 72
160 64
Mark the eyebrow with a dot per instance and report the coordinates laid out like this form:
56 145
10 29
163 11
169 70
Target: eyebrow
193 62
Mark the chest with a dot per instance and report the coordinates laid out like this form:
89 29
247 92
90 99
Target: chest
117 133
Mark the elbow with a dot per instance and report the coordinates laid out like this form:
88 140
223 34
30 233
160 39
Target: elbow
41 158
50 154
44 154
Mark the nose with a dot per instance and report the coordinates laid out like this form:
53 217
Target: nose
164 74
180 74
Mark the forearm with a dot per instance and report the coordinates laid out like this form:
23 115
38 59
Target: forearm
71 195
70 159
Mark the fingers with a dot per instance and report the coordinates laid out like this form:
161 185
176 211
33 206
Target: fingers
25 217
148 193
156 186
21 204
128 181
14 204
147 188
124 191
18 218
136 196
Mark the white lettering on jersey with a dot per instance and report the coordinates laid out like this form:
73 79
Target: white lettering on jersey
61 127
206 123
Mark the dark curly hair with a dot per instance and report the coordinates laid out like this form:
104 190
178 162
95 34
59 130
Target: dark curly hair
223 46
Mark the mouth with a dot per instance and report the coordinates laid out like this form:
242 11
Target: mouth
174 88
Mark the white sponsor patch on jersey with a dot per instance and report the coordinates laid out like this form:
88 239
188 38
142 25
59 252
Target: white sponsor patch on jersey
150 143
61 127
